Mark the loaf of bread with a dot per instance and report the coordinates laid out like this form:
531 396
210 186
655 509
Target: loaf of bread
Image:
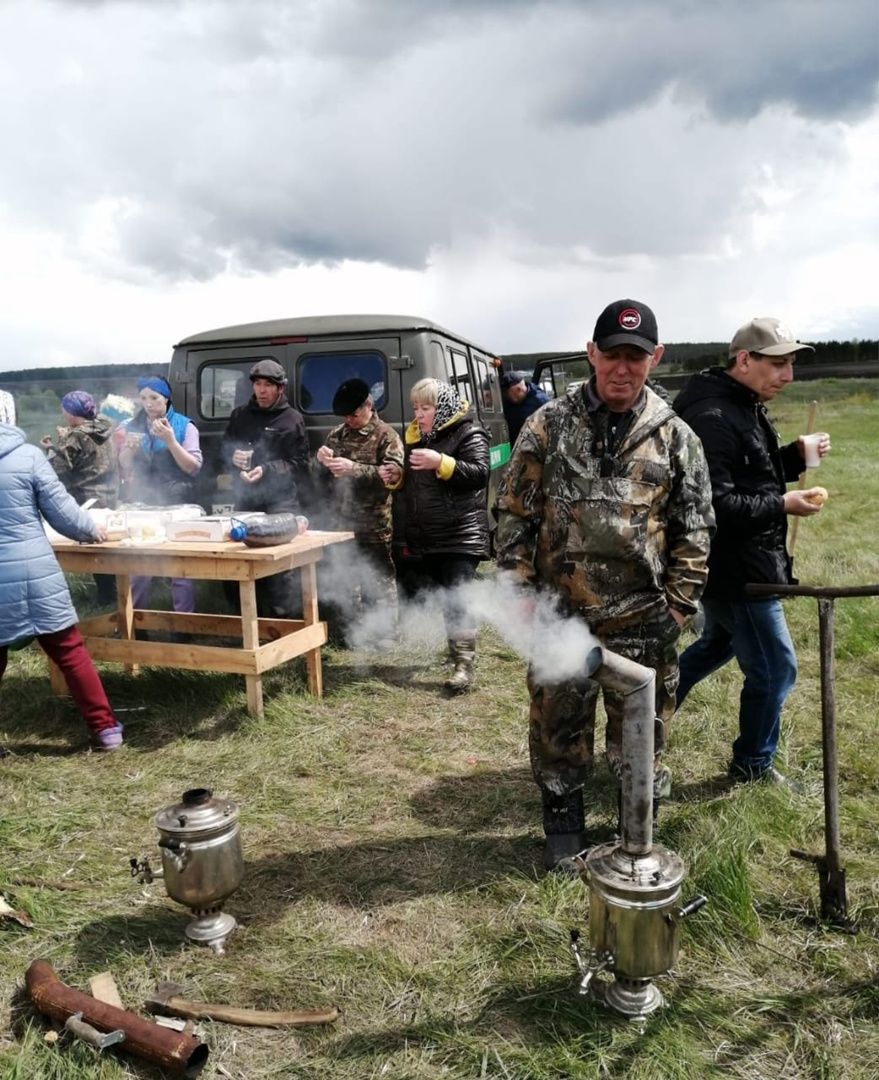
817 496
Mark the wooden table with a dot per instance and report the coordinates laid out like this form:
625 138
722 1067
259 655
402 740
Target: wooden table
265 643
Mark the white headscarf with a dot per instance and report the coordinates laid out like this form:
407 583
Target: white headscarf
7 408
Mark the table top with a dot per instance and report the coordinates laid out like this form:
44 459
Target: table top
313 540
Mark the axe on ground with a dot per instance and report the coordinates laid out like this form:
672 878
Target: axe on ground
168 999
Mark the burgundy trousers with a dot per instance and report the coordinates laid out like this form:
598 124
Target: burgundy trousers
66 649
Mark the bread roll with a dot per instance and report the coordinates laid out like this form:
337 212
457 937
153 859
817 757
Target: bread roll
817 497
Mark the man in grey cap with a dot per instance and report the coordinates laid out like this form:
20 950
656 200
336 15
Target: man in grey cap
749 476
266 447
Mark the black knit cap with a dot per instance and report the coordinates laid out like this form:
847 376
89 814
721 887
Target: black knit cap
512 378
350 396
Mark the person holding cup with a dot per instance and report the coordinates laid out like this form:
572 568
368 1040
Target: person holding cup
159 462
446 492
266 449
750 472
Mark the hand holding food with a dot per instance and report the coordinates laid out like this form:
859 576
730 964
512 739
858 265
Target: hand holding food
804 503
340 466
162 429
817 496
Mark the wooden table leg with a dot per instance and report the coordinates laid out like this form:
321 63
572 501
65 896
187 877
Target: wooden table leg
125 609
310 615
250 640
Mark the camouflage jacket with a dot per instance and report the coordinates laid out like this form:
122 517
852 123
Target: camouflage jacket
621 537
361 502
85 460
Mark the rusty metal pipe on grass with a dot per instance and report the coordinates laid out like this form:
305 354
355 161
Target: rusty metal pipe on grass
171 1050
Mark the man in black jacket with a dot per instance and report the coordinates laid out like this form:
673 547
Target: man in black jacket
267 448
749 474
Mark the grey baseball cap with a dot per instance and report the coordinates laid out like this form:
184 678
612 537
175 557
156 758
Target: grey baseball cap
767 337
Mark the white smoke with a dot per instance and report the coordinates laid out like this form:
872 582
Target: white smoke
554 645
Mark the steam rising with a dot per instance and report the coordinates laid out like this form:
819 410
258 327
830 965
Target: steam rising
554 645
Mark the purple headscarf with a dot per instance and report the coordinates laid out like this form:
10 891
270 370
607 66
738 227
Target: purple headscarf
79 403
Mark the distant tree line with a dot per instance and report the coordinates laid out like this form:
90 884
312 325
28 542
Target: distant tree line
694 356
97 379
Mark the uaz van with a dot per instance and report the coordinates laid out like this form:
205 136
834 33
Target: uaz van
209 378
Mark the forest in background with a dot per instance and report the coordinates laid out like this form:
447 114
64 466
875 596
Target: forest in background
38 391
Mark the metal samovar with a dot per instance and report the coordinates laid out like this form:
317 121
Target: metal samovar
202 862
634 884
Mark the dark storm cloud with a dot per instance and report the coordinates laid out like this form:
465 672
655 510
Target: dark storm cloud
265 135
737 59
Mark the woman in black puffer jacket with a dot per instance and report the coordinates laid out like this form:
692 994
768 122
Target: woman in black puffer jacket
446 490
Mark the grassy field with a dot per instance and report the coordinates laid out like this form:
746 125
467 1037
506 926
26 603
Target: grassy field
392 840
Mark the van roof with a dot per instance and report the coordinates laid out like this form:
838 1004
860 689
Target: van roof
319 326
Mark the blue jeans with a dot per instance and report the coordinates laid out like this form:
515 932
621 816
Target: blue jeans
755 633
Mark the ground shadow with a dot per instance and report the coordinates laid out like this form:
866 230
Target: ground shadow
384 668
703 790
381 871
157 930
155 708
486 800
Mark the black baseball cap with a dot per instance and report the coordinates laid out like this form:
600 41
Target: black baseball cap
626 322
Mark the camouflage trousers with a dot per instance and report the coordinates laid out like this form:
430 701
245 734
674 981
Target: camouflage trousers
562 716
358 590
378 584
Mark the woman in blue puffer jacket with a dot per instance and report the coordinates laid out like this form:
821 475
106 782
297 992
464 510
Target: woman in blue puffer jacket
34 598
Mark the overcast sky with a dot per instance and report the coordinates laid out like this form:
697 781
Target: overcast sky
504 168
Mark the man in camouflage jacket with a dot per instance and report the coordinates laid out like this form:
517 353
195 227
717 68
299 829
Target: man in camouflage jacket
607 505
353 457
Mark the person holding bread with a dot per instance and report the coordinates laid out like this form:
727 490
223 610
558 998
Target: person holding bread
750 472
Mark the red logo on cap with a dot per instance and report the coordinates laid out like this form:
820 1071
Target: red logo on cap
630 319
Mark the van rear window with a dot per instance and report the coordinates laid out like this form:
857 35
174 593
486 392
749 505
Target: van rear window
223 387
321 374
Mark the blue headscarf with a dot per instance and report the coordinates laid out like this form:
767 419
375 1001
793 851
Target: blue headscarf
149 443
79 403
157 383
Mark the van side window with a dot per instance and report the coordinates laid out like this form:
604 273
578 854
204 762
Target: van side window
460 375
223 387
484 379
321 374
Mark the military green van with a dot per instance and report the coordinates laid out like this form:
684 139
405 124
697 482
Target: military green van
209 378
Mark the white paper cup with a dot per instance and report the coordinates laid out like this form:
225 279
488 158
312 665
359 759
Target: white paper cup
810 448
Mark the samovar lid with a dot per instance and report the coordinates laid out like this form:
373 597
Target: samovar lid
197 812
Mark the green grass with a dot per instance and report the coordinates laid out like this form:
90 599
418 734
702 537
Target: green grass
392 842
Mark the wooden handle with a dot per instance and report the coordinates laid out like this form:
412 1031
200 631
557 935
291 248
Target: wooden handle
231 1014
810 427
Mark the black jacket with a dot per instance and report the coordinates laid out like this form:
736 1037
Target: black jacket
449 516
749 473
279 443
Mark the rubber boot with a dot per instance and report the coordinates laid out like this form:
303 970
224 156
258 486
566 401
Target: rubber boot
564 826
464 649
